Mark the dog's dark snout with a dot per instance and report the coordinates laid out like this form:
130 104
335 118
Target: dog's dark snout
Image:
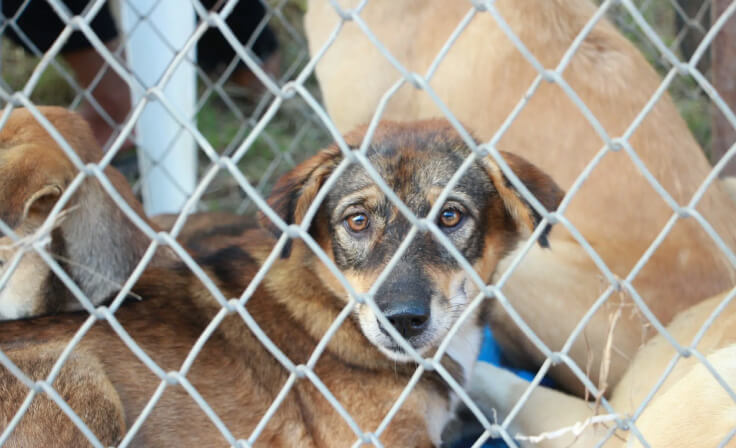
410 319
405 300
410 322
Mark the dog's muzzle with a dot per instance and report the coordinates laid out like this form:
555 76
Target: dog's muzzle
405 300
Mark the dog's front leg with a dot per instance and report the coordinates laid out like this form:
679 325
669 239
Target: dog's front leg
547 419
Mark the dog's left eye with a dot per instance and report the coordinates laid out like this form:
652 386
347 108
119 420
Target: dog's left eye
450 217
357 222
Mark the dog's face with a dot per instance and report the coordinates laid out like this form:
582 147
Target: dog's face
360 228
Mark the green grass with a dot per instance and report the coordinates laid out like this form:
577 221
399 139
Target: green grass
693 104
216 124
17 68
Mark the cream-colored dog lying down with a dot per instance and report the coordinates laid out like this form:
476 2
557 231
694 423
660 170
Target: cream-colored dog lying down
481 80
690 409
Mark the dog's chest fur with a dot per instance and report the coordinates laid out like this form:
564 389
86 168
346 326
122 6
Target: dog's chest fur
464 348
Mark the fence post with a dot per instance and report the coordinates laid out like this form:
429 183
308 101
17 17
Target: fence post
723 56
167 154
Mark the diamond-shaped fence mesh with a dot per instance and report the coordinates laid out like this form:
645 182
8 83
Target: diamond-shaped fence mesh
257 112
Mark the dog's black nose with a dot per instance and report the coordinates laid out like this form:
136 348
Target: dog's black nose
409 321
405 298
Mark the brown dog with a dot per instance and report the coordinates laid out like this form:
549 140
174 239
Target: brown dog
359 229
481 80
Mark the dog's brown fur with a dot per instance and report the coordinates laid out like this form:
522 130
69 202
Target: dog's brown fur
294 306
206 232
82 384
481 80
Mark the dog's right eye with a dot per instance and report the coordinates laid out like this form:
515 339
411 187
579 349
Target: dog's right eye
357 222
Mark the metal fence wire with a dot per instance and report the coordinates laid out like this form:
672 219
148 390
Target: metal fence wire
246 140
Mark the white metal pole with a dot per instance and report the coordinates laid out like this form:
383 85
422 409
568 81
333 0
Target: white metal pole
168 162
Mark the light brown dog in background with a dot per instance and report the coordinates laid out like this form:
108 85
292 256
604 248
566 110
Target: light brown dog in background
481 80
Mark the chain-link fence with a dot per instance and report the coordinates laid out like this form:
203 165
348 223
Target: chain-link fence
251 123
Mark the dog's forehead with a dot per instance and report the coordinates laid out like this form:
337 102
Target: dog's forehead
413 168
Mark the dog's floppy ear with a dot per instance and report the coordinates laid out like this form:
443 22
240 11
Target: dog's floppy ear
25 194
34 171
294 192
536 181
40 203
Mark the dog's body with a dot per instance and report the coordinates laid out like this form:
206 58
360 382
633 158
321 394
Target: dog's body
295 305
234 373
691 408
481 80
205 232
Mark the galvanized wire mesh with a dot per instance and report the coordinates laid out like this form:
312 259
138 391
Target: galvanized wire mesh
282 125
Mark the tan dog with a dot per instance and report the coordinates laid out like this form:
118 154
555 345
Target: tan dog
690 409
92 239
481 80
299 299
